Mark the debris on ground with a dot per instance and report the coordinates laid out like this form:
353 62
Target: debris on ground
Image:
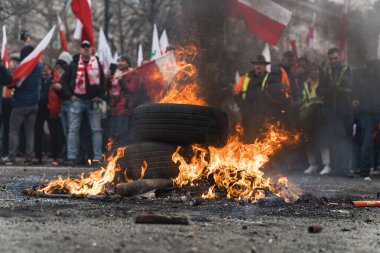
151 218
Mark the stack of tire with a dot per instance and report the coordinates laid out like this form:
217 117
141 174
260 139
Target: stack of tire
158 129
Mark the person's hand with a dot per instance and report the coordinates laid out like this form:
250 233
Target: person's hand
57 86
96 99
74 98
355 103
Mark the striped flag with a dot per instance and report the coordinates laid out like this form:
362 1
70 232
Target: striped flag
4 48
30 62
263 18
62 34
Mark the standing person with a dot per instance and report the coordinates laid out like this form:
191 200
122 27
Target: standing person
6 109
63 62
283 91
252 98
48 111
24 109
369 106
339 107
122 88
85 87
314 121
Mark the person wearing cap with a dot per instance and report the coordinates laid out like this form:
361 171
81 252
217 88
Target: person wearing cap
24 111
122 88
84 84
251 96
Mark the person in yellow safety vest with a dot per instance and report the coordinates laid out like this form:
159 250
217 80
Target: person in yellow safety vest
252 99
314 122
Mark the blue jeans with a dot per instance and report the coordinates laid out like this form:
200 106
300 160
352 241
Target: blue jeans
118 125
77 109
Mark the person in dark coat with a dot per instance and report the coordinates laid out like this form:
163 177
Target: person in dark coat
85 85
252 99
24 110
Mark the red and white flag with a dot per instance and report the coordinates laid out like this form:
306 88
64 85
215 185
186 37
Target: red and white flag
82 10
29 63
310 34
264 18
266 54
343 29
62 34
157 74
4 48
104 51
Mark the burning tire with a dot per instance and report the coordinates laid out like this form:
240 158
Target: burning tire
177 123
158 157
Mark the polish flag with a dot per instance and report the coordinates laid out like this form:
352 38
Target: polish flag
266 54
104 52
156 49
4 48
310 34
164 42
140 57
62 34
82 10
29 63
158 74
343 29
263 18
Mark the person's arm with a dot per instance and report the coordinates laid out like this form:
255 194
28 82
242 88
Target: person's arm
5 75
66 80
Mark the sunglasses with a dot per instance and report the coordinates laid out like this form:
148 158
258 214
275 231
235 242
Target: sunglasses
85 46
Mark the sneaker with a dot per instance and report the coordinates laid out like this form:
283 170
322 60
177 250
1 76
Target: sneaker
69 162
28 162
312 169
10 162
326 170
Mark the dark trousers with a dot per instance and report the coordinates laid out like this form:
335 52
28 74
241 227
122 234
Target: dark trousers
369 123
6 106
56 133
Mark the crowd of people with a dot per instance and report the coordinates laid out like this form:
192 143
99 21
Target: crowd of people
81 108
75 102
334 105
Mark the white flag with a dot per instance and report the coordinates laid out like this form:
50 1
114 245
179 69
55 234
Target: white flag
156 49
104 51
140 57
164 42
266 54
4 48
115 57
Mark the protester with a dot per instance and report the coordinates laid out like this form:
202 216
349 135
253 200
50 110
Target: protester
338 93
48 111
122 88
24 110
85 86
369 107
314 121
6 109
252 99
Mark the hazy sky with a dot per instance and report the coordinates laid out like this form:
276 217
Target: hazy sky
364 4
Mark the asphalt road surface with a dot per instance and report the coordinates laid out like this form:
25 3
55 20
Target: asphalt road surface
32 224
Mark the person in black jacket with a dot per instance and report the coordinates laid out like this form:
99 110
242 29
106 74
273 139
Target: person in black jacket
5 75
84 84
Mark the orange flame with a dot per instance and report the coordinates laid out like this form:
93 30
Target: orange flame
236 167
184 88
94 184
144 166
210 194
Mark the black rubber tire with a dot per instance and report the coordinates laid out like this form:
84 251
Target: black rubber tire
177 123
158 156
